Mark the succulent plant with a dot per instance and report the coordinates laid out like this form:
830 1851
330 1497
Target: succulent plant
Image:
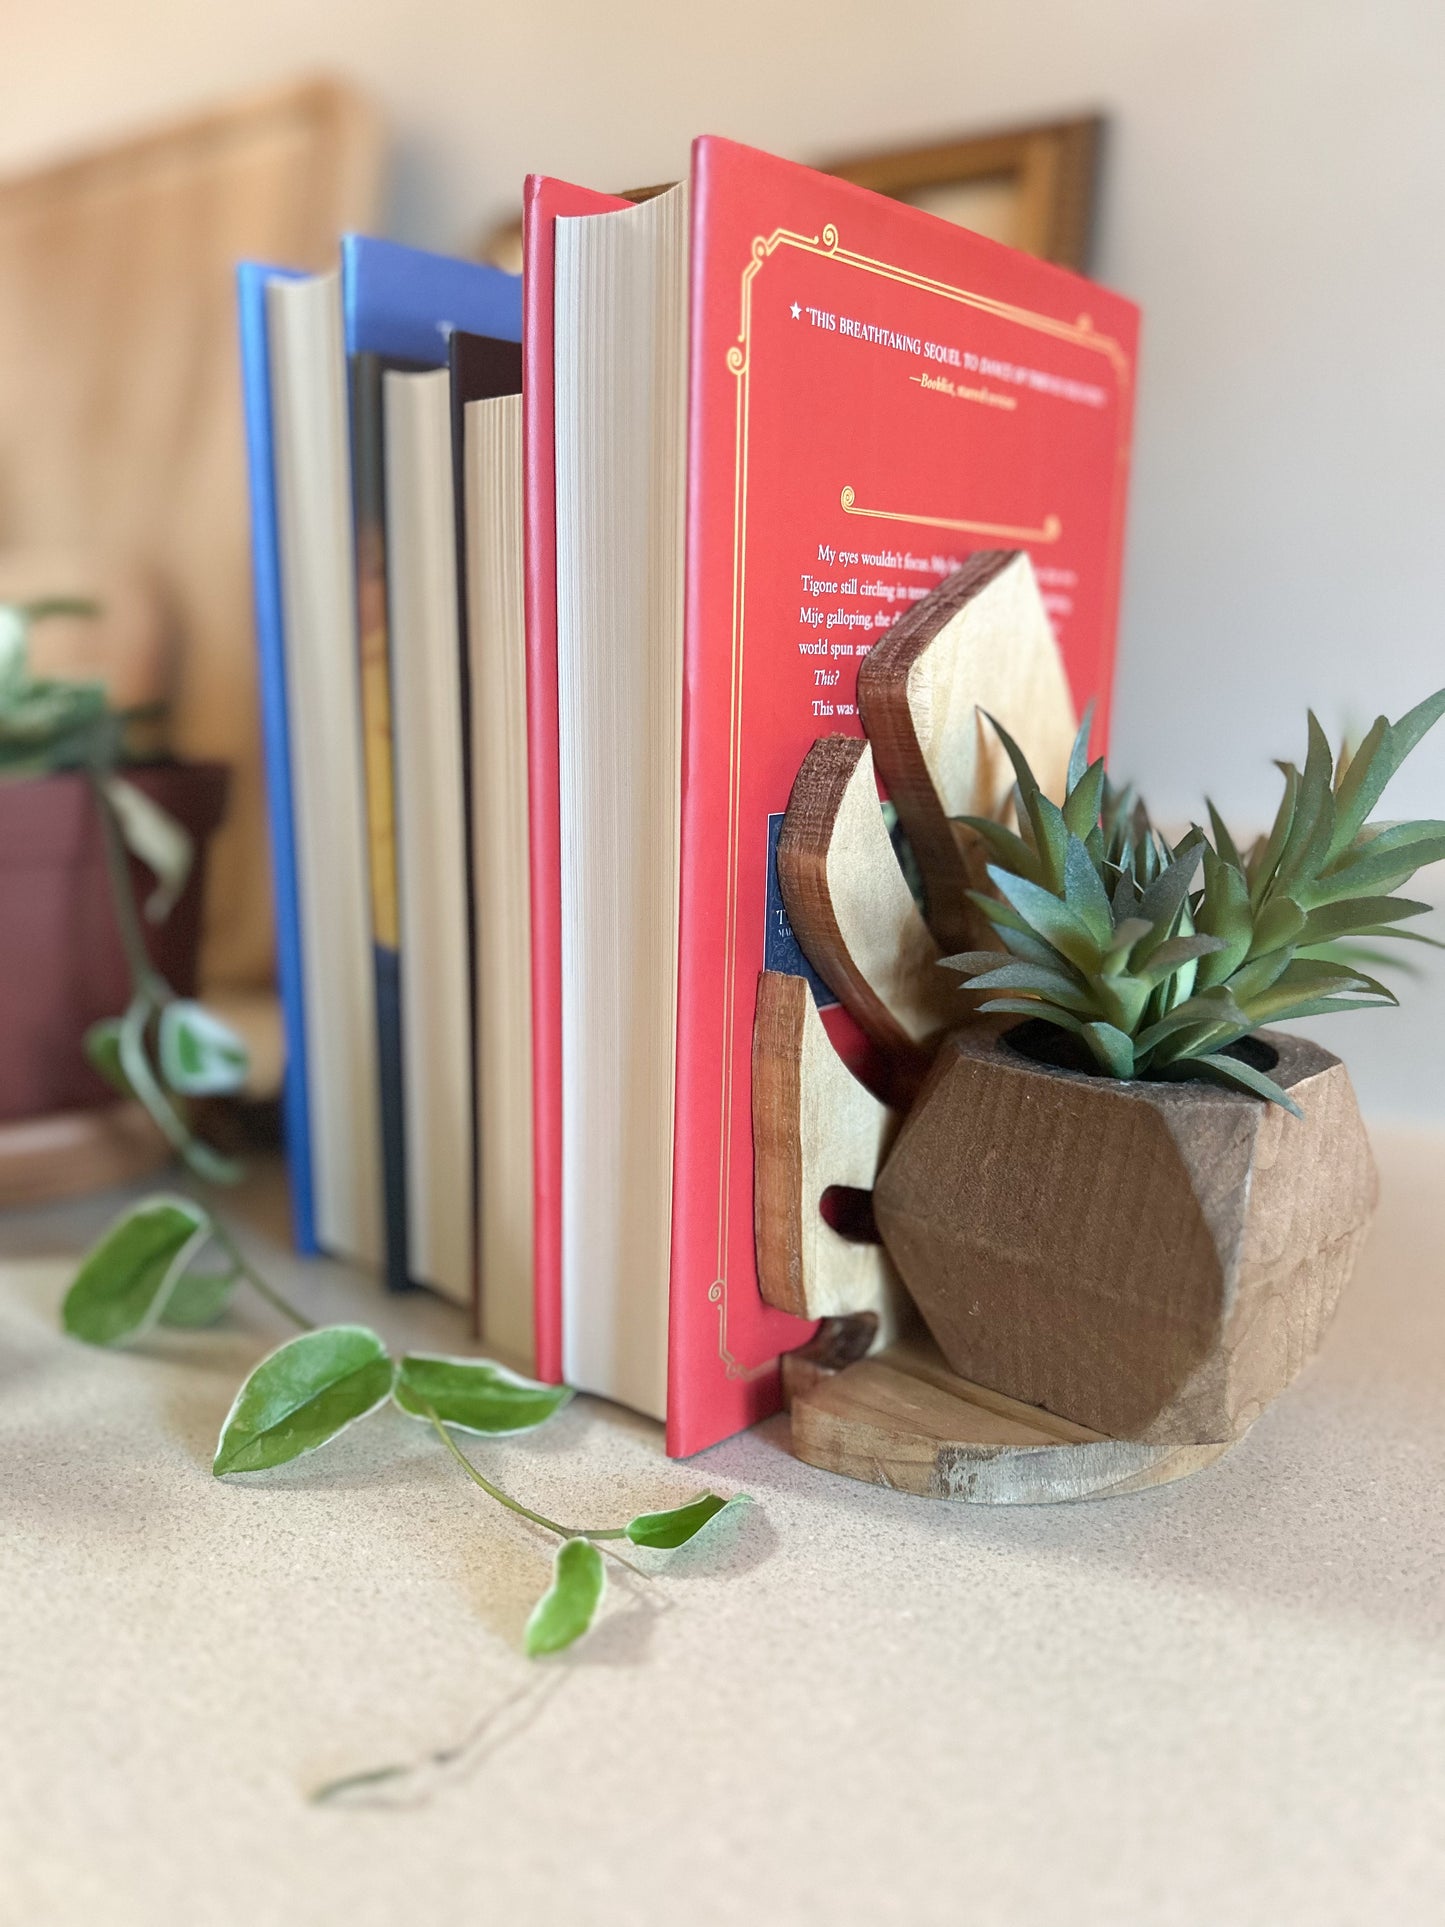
1107 935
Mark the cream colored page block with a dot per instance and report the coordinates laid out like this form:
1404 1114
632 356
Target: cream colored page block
621 368
502 935
318 583
431 849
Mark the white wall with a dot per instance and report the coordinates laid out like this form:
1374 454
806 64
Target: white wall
1274 195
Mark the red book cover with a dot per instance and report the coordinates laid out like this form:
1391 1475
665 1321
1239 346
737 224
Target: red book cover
544 201
873 395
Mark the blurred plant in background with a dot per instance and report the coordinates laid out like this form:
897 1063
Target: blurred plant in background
163 1048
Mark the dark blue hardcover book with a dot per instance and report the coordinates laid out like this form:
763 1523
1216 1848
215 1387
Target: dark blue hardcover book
401 307
251 280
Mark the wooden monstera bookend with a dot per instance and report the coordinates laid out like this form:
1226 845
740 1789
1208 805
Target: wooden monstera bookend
1183 1316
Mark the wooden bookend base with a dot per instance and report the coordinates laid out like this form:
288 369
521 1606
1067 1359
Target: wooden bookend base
71 1153
901 1419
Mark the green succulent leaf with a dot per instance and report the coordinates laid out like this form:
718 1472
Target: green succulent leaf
198 1299
1027 948
668 1530
1051 984
1173 955
1219 1069
1085 894
1113 1048
1376 760
474 1394
1003 845
199 1055
1223 842
1079 764
126 1279
969 962
1359 914
1124 936
1210 1010
1314 818
1084 802
1395 934
302 1395
1026 1007
568 1607
1043 913
1263 859
1277 923
1305 982
1373 869
1167 895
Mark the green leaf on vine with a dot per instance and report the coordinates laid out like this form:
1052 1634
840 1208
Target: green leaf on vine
302 1395
667 1530
102 1048
568 1607
474 1394
126 1280
198 1299
200 1056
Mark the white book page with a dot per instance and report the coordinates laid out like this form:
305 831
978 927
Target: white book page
621 430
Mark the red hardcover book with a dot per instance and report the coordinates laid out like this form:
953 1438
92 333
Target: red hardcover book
544 200
873 395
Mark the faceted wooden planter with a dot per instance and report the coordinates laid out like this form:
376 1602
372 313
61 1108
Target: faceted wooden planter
1153 1261
1114 1280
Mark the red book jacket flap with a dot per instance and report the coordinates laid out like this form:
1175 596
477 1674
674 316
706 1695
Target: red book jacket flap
874 394
544 200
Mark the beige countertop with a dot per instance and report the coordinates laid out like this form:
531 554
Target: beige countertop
1221 1702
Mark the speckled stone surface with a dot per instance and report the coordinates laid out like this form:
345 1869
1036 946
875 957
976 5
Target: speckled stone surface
1223 1701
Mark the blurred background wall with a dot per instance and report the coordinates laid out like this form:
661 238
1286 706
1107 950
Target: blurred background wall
1273 193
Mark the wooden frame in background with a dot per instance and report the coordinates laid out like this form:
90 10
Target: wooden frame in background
1033 187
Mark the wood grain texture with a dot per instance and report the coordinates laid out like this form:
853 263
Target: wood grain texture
120 407
814 1126
1155 1261
903 1420
980 641
850 908
71 1153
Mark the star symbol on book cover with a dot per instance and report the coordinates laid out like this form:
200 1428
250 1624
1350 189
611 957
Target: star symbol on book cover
797 312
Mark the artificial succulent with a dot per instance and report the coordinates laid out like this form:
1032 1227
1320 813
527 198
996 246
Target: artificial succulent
1161 958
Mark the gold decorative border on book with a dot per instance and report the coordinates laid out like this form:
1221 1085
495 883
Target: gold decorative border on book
1050 531
1081 333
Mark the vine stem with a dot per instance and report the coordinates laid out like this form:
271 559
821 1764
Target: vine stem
146 980
151 993
525 1511
247 1270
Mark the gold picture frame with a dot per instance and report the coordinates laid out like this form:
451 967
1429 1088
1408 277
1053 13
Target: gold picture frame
1032 187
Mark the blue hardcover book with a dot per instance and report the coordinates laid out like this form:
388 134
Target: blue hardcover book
251 280
400 309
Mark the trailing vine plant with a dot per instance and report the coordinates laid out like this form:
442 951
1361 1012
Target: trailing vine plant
163 1049
156 1265
147 1271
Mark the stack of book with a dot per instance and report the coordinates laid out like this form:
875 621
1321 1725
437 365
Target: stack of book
557 581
